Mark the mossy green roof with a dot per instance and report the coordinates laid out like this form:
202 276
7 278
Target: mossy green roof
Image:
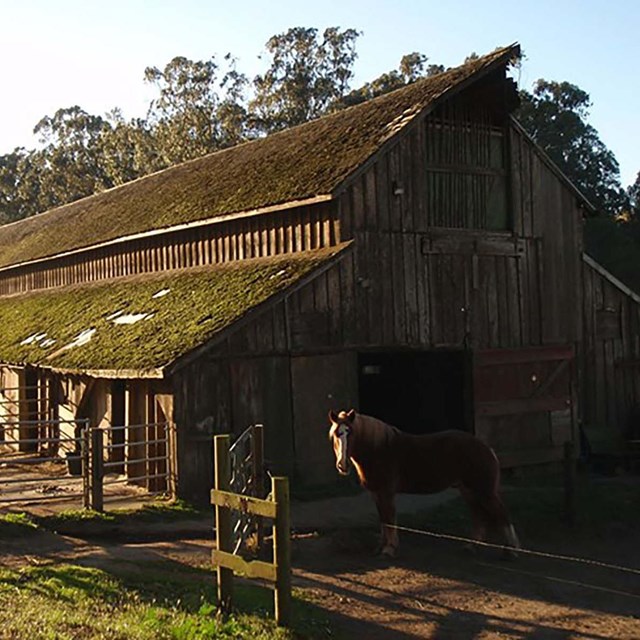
310 160
183 310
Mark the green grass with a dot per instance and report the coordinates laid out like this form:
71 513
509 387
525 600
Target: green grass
158 602
160 512
16 525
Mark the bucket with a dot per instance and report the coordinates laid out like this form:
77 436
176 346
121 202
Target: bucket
74 464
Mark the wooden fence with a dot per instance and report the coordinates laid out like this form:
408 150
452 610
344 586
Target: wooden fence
275 507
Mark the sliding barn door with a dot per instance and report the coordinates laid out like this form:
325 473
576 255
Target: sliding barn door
524 402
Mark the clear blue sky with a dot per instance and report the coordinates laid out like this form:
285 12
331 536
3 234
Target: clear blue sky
59 53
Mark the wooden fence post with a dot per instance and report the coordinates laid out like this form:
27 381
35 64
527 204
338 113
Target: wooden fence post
85 448
222 479
569 484
97 469
282 551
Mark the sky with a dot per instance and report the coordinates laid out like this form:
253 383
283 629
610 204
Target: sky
90 53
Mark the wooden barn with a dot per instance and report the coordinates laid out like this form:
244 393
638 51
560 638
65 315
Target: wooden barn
415 256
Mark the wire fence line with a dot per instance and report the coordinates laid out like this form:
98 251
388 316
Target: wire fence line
531 552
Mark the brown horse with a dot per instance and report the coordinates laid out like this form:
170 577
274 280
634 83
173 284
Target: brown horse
389 461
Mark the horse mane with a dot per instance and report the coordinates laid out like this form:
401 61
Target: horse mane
374 432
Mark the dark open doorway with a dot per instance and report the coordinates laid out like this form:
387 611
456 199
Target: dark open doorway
418 392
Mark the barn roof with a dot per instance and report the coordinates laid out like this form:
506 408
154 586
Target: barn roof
139 325
297 164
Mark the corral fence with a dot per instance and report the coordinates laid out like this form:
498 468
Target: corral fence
240 508
69 462
126 463
41 461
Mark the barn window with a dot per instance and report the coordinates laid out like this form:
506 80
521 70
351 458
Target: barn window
466 173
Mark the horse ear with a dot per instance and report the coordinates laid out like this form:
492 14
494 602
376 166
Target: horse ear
332 416
351 416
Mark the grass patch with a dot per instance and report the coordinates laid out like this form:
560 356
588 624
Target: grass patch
153 513
15 525
66 601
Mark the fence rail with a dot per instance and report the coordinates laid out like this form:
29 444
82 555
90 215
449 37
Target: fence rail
40 467
69 460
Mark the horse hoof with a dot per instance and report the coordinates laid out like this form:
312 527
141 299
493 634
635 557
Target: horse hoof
388 551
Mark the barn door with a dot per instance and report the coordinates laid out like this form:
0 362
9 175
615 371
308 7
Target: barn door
524 402
319 383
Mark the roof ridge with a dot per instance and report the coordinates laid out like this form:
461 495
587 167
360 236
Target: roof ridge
294 164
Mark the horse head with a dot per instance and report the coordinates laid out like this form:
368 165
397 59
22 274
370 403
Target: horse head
340 434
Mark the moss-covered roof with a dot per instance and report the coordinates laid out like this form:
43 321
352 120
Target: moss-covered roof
142 323
302 162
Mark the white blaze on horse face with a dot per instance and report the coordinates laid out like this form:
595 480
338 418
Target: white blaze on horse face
340 446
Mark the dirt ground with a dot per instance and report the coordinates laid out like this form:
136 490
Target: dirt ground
434 589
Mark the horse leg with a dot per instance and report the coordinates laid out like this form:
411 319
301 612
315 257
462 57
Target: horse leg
385 504
498 519
478 518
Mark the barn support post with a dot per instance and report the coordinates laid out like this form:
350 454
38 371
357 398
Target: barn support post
222 479
282 551
97 469
569 483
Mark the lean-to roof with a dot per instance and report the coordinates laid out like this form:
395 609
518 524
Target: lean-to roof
303 162
139 325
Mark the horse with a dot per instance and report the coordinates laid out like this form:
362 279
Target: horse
389 461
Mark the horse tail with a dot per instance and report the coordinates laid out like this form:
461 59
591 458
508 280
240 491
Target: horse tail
496 480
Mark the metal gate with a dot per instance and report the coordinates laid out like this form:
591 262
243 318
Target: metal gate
128 463
41 461
68 463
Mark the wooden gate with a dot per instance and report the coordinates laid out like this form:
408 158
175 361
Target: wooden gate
524 402
225 556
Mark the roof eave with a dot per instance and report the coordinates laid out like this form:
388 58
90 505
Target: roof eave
590 208
292 204
111 374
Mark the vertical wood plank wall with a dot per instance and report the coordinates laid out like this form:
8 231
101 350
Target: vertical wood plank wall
611 353
288 231
425 286
407 284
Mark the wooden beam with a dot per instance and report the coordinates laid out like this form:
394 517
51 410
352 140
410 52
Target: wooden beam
224 544
249 569
245 504
522 405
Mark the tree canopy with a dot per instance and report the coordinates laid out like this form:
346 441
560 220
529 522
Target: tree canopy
555 114
201 106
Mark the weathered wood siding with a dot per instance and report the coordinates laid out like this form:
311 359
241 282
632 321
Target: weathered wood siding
610 357
420 285
266 234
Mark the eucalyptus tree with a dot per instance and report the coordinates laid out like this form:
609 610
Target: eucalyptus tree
555 114
308 74
199 109
412 67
